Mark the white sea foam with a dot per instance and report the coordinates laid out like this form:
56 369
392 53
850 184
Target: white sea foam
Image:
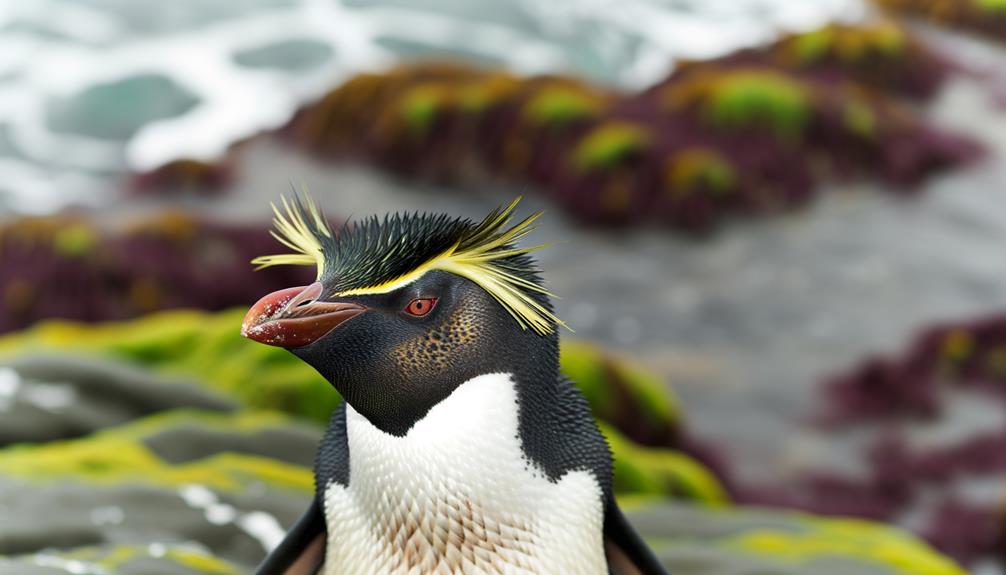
258 525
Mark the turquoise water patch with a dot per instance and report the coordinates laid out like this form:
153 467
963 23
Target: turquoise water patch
117 110
414 50
291 55
142 18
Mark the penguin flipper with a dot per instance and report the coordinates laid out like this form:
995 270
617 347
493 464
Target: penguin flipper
302 551
626 551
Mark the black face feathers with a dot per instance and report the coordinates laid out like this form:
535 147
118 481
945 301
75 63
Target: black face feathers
382 255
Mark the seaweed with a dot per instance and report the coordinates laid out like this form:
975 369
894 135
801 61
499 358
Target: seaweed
71 268
984 17
835 103
892 394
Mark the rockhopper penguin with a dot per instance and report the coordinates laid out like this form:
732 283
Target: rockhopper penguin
459 447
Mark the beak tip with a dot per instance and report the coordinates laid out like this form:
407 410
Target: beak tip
256 328
255 321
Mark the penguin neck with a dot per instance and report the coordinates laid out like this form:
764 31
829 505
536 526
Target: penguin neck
395 406
461 441
506 398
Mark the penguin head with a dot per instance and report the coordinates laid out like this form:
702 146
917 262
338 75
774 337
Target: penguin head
408 307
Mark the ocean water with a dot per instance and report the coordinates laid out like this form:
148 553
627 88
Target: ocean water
91 89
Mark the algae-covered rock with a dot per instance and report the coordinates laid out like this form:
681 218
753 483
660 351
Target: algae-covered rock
195 344
622 393
223 451
984 17
230 482
169 261
600 153
744 98
692 540
58 396
186 491
135 559
661 472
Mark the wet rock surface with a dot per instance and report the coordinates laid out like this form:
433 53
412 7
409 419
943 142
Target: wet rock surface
183 491
50 397
696 541
211 490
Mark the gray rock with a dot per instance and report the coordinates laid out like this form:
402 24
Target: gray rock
48 397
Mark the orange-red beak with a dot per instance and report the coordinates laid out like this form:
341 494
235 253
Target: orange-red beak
294 317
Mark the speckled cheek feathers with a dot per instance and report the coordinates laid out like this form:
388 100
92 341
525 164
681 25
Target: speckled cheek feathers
433 349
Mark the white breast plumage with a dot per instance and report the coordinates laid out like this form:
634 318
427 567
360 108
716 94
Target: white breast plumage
456 495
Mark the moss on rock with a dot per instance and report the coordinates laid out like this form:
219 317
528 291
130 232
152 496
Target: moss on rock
750 97
700 168
121 455
202 345
560 104
698 540
609 144
848 43
845 538
623 394
124 560
756 97
641 471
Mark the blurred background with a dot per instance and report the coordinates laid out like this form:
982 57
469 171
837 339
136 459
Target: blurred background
778 235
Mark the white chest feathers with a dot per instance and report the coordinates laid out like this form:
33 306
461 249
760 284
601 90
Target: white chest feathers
456 496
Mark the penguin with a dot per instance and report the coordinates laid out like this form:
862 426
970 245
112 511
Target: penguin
459 447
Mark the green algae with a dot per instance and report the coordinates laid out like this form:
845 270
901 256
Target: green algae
814 45
700 168
642 471
560 105
745 98
609 144
846 538
196 344
119 455
858 118
691 538
476 97
991 5
849 43
117 558
621 392
420 106
75 240
201 562
957 346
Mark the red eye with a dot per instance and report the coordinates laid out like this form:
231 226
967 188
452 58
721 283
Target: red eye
420 307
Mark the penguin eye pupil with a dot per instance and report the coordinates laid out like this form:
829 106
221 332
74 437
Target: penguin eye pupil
420 307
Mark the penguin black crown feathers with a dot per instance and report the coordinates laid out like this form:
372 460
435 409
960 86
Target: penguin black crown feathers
459 447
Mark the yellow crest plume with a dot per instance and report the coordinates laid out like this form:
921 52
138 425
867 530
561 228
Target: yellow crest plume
476 252
297 229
